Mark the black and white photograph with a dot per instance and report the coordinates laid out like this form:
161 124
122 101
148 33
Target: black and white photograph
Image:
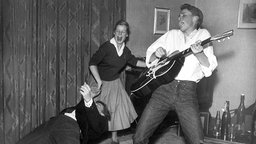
127 72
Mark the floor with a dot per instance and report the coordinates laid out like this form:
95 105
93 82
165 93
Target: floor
167 135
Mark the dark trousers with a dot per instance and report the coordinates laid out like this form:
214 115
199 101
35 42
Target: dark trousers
57 130
179 96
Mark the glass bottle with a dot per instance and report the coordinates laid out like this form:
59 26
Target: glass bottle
240 121
217 125
253 128
226 123
232 132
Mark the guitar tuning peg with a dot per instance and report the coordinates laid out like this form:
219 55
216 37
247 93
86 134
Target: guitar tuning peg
223 39
218 40
228 37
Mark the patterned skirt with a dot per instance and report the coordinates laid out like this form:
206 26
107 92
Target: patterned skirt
119 104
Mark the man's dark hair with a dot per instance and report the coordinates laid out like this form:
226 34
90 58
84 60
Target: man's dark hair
195 12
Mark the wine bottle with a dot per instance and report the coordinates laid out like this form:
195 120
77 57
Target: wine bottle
240 121
217 126
226 123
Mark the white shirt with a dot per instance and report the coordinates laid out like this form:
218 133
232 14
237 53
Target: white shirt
174 40
119 52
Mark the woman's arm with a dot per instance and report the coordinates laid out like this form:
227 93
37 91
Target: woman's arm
95 73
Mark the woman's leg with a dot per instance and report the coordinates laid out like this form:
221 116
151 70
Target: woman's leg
114 136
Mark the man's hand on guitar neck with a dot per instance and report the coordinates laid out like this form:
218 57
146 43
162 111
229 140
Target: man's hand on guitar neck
197 48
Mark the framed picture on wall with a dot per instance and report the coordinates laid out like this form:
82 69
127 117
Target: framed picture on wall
247 14
161 20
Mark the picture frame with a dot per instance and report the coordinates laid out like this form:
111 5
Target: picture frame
246 14
161 20
205 118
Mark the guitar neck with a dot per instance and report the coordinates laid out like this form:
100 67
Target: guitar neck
188 51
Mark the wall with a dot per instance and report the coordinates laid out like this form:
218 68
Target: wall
237 62
236 71
140 15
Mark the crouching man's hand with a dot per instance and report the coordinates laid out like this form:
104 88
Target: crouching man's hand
88 93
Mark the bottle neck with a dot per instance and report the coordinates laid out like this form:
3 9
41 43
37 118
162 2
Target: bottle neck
218 114
242 100
227 106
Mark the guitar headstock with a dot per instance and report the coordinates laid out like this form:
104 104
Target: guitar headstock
223 36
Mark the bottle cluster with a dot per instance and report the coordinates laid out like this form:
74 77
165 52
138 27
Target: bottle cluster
234 131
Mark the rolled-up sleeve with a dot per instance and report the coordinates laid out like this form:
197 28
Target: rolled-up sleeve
160 42
212 60
208 51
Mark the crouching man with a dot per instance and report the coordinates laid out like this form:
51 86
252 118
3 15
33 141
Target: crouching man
74 125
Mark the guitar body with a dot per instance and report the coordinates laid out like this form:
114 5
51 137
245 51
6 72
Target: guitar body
147 83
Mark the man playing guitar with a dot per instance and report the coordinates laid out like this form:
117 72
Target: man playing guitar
180 94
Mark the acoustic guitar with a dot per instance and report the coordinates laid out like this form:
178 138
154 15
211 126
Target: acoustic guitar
167 69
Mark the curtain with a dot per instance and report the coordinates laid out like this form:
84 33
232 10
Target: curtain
45 48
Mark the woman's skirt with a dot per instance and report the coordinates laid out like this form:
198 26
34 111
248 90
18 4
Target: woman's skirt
119 104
